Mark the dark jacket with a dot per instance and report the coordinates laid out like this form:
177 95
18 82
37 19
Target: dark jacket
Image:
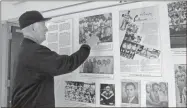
35 68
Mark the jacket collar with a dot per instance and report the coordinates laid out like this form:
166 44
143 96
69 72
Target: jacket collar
26 41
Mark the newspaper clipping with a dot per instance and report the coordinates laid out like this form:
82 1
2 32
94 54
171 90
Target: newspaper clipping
52 36
98 66
65 36
80 92
157 94
180 83
53 47
52 27
140 48
107 94
177 12
65 51
98 25
59 36
131 92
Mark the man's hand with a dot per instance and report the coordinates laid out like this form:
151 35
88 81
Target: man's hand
92 41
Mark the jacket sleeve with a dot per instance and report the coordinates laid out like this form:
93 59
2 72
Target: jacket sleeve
45 60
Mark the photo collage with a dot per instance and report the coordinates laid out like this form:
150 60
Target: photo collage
132 43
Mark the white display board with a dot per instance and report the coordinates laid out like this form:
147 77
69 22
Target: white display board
133 64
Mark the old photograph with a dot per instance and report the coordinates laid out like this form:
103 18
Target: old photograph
107 94
177 12
130 93
138 27
98 65
80 92
131 33
180 85
128 49
149 53
157 94
99 25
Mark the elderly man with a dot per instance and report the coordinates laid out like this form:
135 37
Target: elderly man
37 65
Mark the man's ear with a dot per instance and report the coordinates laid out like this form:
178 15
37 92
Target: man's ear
35 26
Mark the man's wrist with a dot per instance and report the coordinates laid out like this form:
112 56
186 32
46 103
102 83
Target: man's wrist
86 46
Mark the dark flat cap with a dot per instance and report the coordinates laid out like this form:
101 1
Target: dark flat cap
31 17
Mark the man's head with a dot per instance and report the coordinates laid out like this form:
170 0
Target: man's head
155 87
128 11
130 89
33 26
107 88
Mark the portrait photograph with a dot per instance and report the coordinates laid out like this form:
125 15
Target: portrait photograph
131 93
107 94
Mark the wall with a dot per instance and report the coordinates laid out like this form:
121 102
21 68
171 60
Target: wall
164 35
12 9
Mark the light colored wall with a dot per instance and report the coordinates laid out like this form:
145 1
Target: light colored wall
12 9
0 56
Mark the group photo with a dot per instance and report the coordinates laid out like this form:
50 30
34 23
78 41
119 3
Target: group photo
128 49
157 94
98 65
149 53
97 25
177 13
80 92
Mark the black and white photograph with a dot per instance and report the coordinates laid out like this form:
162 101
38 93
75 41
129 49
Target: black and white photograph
180 85
98 25
177 12
80 92
107 94
128 49
130 93
157 94
135 33
149 53
131 33
98 65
